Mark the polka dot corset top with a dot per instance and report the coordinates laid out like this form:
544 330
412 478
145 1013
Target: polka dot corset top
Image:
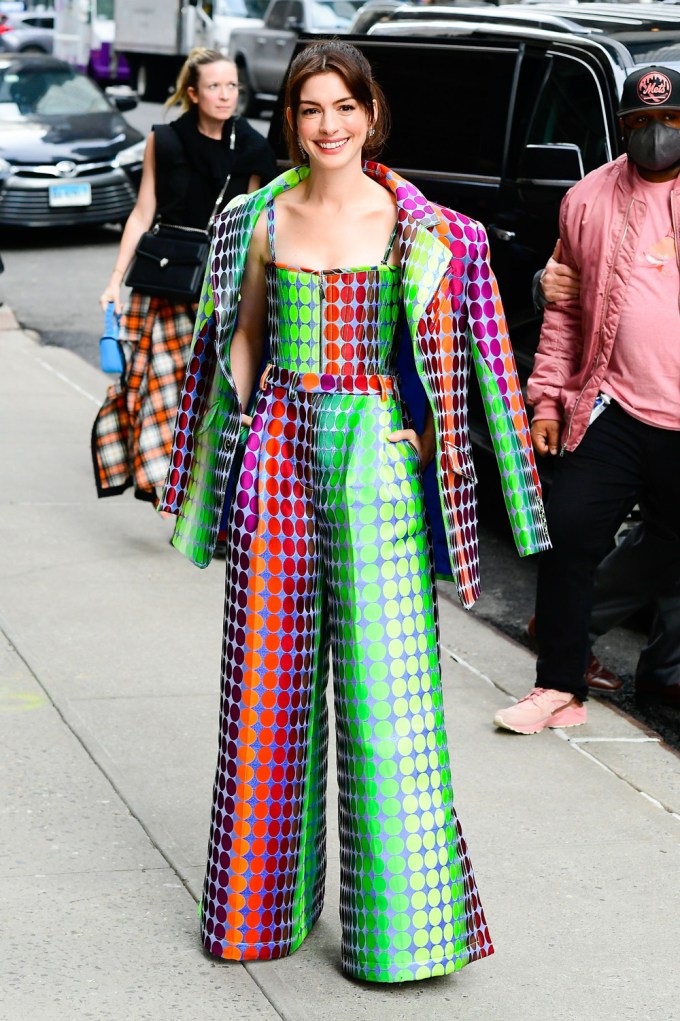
338 321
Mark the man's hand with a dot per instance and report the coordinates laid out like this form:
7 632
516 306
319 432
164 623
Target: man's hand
559 282
545 436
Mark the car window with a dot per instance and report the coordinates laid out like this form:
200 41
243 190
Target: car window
278 15
333 13
469 137
569 109
45 93
240 8
296 11
38 22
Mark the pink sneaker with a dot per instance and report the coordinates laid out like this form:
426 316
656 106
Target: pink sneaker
542 707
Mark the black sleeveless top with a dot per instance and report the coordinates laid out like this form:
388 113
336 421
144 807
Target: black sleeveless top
191 168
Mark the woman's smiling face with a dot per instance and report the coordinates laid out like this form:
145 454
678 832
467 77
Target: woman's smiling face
331 124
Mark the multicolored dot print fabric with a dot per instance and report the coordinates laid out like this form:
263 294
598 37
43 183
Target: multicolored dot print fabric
329 555
455 319
329 546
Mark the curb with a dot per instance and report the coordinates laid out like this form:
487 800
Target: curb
8 321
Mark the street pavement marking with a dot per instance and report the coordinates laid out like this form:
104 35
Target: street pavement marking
19 702
69 382
577 748
575 742
628 740
468 666
655 802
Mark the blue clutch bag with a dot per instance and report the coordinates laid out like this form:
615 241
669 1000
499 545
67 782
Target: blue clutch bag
110 351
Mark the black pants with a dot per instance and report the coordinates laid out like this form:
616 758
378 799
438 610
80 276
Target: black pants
619 462
629 579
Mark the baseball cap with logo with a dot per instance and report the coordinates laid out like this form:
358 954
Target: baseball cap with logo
650 87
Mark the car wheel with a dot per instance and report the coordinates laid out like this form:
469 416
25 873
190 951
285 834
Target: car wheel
247 103
33 49
142 81
151 82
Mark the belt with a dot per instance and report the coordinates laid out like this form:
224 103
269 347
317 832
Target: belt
324 383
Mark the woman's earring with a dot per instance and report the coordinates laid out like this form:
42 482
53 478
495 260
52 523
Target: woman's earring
371 132
304 155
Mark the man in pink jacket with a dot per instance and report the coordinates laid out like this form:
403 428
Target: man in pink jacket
606 386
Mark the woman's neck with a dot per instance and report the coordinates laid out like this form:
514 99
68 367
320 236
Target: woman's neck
209 126
336 187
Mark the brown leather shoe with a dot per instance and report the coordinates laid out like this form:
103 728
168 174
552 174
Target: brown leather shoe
668 693
597 676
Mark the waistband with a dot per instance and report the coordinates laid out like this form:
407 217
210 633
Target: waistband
324 383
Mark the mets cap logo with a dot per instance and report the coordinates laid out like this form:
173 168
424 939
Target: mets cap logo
654 88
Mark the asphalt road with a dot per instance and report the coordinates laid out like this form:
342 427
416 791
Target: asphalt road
53 279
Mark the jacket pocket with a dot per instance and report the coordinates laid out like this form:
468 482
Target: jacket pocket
460 461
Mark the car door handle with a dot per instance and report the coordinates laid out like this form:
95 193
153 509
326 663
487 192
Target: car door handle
280 42
502 235
261 40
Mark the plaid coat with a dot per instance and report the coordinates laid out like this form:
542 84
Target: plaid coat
133 431
454 316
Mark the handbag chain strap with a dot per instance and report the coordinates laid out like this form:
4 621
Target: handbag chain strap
218 203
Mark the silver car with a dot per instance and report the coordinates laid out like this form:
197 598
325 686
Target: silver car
27 32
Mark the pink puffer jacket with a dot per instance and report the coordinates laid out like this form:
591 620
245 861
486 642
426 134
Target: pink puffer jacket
600 224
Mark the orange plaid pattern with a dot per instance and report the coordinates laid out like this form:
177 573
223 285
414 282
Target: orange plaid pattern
132 433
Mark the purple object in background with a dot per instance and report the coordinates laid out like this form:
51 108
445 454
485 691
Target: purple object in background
106 66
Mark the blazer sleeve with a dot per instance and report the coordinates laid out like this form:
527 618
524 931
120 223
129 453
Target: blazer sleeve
194 402
496 371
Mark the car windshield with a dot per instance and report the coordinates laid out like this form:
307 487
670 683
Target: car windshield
47 92
103 9
240 8
333 13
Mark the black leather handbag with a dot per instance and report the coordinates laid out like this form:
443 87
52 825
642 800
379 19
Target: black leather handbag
170 260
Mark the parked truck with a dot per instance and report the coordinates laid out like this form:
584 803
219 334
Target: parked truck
83 36
155 36
262 52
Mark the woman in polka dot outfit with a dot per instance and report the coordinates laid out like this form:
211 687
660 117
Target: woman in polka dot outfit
339 263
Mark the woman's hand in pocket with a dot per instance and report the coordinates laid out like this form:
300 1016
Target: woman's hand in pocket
416 441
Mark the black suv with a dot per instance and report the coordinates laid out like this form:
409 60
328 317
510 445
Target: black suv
498 120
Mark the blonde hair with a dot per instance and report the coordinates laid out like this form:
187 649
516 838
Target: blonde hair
190 72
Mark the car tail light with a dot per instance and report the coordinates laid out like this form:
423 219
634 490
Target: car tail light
5 28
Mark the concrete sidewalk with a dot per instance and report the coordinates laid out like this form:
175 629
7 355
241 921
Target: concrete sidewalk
108 736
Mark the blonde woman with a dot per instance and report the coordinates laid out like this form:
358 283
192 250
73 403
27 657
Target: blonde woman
186 164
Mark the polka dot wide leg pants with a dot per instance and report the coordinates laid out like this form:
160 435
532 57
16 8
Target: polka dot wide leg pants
329 553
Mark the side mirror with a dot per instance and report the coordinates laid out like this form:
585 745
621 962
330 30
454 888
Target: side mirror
559 164
122 97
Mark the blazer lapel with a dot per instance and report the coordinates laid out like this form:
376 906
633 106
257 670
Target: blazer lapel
423 256
233 231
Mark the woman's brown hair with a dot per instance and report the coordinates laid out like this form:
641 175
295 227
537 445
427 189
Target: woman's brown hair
190 72
329 56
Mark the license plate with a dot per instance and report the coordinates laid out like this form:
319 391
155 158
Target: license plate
71 194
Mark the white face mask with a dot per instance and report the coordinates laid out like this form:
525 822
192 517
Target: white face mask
654 147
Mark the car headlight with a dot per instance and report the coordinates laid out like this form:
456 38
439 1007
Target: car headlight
134 154
5 167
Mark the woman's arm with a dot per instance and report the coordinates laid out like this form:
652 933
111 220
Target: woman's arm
139 221
248 341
